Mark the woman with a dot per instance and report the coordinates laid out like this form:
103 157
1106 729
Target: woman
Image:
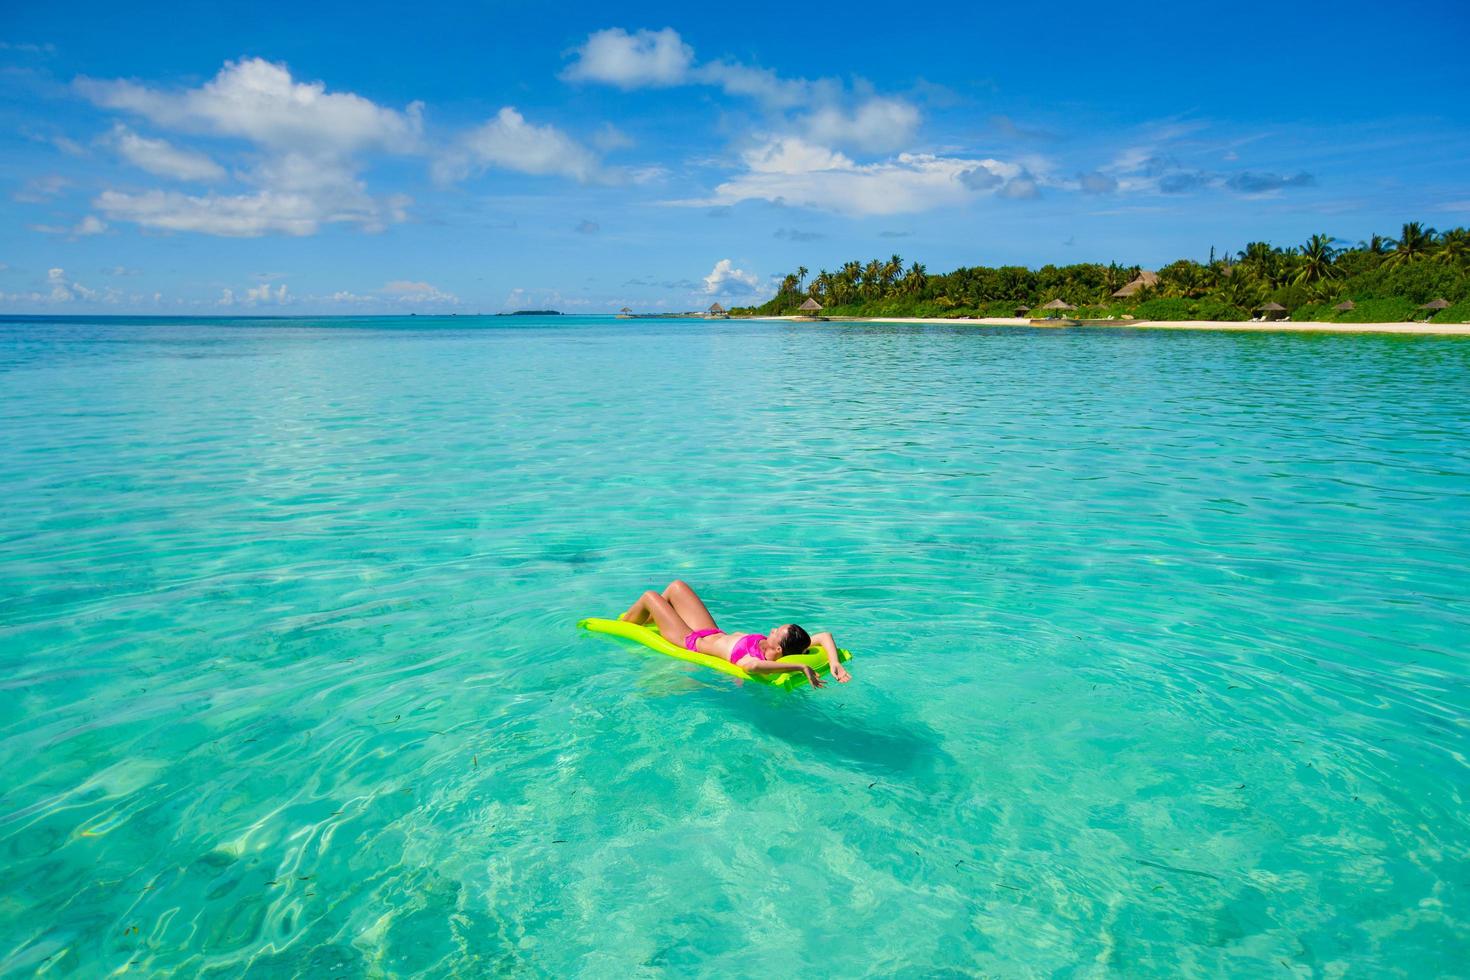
682 617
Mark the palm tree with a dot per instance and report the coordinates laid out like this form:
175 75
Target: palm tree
1316 258
1375 245
1415 243
1454 247
801 272
892 269
915 279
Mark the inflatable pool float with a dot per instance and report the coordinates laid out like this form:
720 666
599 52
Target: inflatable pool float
649 636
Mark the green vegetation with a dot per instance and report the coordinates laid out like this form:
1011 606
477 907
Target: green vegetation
1386 279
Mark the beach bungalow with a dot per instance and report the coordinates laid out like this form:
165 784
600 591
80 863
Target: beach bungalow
1058 304
1022 310
810 310
1145 279
1437 304
625 313
717 311
1271 311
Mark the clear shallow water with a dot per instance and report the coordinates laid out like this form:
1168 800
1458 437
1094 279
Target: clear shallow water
1161 650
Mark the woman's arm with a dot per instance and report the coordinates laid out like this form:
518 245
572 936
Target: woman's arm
758 666
834 662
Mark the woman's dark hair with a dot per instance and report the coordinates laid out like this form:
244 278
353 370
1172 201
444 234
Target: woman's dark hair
796 640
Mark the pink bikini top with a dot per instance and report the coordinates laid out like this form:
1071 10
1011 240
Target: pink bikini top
748 645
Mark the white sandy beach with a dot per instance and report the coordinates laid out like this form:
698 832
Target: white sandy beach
1272 326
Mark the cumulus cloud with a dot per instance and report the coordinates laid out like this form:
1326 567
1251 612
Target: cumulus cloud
162 158
725 278
628 61
62 289
791 171
509 142
59 289
877 125
264 294
259 101
304 177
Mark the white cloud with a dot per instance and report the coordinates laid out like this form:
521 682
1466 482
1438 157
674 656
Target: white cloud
609 138
60 289
90 225
725 278
38 190
764 85
298 196
628 61
305 176
257 100
64 290
877 125
509 142
792 171
657 59
399 292
254 296
408 291
264 294
163 158
234 216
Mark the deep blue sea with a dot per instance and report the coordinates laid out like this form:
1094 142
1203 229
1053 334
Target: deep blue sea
1162 645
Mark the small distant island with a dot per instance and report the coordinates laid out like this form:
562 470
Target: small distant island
531 313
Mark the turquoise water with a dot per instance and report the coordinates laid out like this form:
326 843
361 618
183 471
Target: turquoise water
1161 650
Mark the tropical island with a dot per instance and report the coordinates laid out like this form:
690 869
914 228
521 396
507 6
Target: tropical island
1420 275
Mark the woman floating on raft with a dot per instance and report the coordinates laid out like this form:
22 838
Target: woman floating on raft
680 613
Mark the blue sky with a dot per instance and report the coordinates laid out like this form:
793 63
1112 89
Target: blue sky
279 159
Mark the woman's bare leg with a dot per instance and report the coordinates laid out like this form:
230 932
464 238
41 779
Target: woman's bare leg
651 605
689 605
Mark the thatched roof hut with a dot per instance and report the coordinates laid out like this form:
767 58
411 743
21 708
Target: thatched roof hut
716 309
626 309
1143 280
1345 305
1437 304
810 306
1022 310
1058 304
1271 311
